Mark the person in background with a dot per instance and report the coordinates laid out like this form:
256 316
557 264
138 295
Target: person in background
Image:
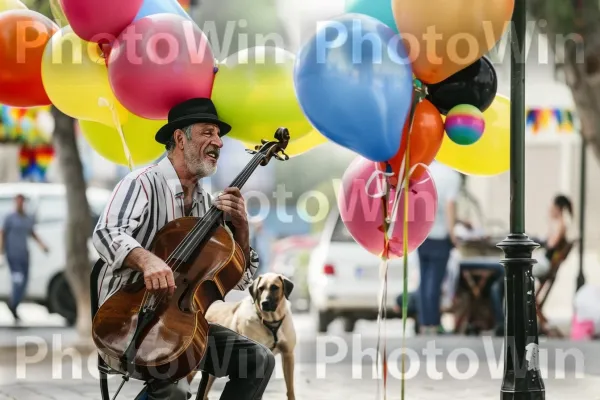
261 240
17 228
435 250
560 224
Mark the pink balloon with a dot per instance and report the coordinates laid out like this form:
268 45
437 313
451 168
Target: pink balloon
158 62
100 20
361 209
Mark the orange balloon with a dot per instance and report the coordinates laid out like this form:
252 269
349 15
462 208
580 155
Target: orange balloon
23 37
425 141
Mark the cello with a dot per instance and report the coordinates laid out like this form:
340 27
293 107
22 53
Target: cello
155 336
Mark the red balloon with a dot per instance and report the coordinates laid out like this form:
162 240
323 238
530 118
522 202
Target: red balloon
425 141
23 37
158 62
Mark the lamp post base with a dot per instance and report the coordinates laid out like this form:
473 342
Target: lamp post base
522 376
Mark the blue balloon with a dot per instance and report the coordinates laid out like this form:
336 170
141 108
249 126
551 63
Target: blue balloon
353 81
379 9
151 7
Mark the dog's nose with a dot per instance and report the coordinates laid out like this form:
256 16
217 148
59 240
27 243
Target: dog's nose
265 305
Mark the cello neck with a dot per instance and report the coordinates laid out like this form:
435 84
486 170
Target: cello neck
205 225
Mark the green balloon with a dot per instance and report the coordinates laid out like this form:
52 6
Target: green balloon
254 92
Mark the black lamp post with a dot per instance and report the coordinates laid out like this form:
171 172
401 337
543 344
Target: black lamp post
522 376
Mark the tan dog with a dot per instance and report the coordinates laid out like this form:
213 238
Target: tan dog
264 317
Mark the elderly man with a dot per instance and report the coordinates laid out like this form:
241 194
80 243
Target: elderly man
147 199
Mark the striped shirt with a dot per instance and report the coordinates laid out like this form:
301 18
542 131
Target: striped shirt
141 204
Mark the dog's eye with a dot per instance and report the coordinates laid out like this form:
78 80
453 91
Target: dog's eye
274 287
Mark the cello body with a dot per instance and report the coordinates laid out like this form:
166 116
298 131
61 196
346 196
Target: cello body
176 339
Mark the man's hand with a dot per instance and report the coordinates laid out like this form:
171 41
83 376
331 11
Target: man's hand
232 203
158 276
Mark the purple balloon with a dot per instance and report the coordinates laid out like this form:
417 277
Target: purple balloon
360 206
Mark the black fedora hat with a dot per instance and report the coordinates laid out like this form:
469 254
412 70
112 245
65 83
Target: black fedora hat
191 112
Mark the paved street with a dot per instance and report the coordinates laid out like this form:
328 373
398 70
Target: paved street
338 365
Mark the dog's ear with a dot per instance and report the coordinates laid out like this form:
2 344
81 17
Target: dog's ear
288 286
254 287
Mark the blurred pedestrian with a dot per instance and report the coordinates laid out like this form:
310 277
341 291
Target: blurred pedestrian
17 228
434 253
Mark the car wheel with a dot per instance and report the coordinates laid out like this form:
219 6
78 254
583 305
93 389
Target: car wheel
61 299
349 324
323 320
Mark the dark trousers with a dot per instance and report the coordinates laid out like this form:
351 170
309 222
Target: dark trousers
433 260
249 366
496 289
19 273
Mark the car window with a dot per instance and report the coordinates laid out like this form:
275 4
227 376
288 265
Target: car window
341 233
51 209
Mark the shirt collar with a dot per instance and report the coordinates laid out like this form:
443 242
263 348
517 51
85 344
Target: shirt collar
170 175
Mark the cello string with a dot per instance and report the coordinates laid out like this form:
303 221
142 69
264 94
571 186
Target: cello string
188 244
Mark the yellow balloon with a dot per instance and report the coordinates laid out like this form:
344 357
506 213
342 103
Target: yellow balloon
302 145
76 80
490 155
254 92
7 5
139 136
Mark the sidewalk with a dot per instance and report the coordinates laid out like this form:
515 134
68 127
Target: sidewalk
476 374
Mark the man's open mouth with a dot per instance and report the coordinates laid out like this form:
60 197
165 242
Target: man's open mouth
212 154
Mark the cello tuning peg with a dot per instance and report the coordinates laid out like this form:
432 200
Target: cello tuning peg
249 151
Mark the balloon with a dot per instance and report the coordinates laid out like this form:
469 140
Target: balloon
6 5
149 76
23 36
356 93
139 136
58 14
100 20
464 124
444 37
363 214
300 146
475 85
425 141
379 9
76 79
152 7
254 93
491 154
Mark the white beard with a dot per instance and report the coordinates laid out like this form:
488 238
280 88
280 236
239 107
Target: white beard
195 164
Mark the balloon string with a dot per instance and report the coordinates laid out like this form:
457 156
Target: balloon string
381 314
419 96
102 102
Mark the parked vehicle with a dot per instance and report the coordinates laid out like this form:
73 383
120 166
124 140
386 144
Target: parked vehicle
47 203
344 278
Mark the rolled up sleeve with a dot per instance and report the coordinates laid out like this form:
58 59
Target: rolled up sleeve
125 212
251 268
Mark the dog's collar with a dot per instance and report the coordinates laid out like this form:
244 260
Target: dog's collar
272 326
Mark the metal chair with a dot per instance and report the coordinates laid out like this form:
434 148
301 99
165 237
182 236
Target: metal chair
103 369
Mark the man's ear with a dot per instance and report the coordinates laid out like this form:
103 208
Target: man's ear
254 288
288 286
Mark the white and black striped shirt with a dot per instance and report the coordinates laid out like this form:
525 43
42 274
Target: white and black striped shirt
141 204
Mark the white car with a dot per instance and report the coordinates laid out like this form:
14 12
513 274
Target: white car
47 203
344 278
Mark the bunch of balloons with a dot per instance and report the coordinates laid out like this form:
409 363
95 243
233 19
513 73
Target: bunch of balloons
401 83
33 127
118 67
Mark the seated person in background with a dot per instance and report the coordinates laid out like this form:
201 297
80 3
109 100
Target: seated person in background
561 214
